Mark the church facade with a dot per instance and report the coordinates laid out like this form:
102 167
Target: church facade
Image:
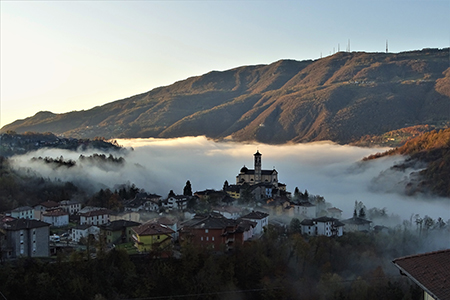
257 175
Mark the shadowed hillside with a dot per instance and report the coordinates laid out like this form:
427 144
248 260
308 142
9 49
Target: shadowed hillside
341 98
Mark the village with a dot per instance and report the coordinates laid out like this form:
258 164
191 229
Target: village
150 223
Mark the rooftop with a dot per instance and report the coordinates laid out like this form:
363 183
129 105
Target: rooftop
431 271
152 228
255 215
19 224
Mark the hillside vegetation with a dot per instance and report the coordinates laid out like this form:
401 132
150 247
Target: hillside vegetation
340 98
433 149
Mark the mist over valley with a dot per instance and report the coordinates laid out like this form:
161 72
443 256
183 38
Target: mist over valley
333 171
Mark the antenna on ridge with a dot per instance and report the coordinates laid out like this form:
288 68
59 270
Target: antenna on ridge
348 46
387 46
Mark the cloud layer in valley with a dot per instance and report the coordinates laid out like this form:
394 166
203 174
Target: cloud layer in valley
330 170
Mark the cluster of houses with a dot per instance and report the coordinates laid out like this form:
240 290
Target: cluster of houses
27 234
152 223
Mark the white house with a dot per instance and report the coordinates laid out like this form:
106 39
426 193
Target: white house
94 217
23 212
247 228
357 224
70 206
83 231
261 219
177 202
322 226
57 218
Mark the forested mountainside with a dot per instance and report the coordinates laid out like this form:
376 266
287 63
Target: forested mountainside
433 150
341 98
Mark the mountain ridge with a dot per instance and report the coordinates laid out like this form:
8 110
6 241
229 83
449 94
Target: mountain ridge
341 98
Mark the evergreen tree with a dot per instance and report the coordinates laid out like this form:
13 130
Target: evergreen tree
295 226
225 185
362 213
305 195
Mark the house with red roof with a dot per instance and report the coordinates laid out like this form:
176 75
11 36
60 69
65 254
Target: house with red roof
211 231
430 271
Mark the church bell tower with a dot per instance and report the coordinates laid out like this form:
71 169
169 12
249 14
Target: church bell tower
257 156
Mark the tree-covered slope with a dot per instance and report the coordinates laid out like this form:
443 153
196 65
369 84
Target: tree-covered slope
340 98
433 149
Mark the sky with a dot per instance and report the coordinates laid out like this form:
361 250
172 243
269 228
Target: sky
323 168
62 56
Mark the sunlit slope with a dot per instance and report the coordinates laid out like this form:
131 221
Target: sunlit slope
340 98
432 149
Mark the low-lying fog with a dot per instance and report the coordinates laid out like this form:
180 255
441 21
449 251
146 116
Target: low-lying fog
332 171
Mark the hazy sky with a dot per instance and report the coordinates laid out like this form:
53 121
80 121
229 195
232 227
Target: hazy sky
71 55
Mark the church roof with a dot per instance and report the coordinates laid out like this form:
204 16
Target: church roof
245 170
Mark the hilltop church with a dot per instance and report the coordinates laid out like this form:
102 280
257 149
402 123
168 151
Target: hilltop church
257 175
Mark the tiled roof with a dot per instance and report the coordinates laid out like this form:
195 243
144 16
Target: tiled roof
22 208
211 221
431 271
49 204
166 221
307 222
152 228
255 215
24 224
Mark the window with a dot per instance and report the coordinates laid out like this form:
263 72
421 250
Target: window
206 230
213 238
201 238
207 238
